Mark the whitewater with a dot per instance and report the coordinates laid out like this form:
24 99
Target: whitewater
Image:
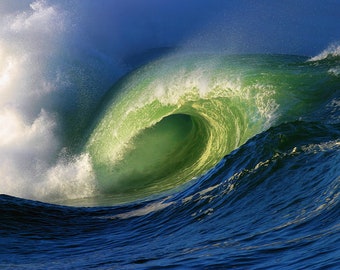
170 157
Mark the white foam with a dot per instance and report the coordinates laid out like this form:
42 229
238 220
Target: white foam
148 209
332 51
36 19
30 44
29 41
334 71
26 149
29 166
69 179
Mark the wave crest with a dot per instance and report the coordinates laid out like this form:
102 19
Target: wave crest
331 52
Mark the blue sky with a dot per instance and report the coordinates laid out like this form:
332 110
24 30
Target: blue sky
292 26
125 27
59 57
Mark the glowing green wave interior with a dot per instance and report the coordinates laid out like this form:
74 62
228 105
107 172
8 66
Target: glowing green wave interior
175 118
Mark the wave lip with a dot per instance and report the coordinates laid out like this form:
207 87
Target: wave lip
211 104
332 51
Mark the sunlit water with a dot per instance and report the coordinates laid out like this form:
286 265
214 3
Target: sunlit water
200 160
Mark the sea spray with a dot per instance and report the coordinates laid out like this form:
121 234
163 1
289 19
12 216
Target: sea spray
38 72
228 99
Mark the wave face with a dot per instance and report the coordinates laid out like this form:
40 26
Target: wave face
190 160
176 118
247 148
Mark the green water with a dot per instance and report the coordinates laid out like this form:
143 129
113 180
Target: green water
174 119
155 153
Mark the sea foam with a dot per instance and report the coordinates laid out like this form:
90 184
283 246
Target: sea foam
31 163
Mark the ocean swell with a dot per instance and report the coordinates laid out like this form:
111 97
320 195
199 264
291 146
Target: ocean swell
159 127
227 99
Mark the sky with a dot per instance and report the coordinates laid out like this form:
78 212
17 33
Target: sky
121 28
59 57
243 26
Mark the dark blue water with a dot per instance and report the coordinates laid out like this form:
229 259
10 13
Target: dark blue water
271 203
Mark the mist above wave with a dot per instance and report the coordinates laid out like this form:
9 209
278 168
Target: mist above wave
58 58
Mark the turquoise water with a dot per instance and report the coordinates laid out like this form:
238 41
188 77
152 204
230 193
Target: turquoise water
169 134
174 119
208 161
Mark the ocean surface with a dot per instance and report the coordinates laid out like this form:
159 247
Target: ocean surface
189 161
